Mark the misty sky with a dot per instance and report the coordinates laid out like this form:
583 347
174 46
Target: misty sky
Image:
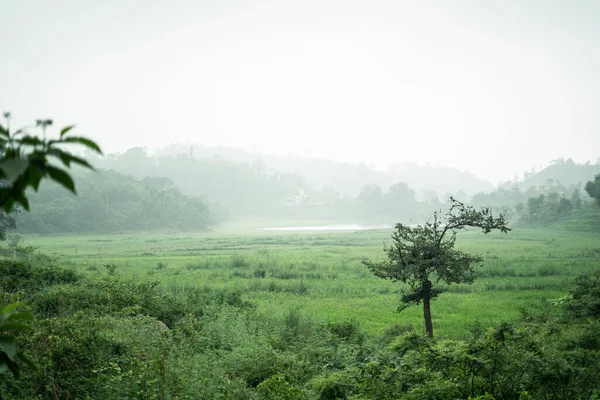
493 87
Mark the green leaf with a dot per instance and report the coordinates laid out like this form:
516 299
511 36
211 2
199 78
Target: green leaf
6 200
34 177
66 129
68 158
19 131
19 316
81 161
22 200
90 144
13 167
7 344
10 307
14 368
61 177
17 326
29 140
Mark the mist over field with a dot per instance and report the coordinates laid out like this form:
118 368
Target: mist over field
300 200
494 88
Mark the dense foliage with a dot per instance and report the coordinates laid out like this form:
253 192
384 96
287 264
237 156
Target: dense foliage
110 201
105 336
237 187
593 188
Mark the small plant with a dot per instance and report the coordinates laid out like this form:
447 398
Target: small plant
111 268
260 273
160 266
238 261
345 329
278 388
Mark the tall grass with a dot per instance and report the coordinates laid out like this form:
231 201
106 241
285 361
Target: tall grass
323 273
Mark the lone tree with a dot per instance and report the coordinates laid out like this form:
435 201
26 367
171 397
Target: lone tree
424 255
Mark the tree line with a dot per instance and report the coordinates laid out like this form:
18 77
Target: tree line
111 201
239 187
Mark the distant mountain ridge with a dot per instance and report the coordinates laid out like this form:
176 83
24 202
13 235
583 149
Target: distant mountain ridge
347 178
566 173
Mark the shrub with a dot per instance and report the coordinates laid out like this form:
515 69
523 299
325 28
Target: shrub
585 297
346 329
17 276
333 386
278 388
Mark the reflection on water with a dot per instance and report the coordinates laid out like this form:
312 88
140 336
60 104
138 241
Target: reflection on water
348 227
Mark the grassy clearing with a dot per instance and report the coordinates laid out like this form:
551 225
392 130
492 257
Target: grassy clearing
322 276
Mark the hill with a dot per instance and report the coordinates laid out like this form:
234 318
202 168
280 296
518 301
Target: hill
566 173
346 178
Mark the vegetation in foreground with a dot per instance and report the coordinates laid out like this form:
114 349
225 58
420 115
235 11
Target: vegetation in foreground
202 316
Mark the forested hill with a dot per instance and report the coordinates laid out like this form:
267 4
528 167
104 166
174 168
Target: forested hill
235 186
108 201
346 178
565 172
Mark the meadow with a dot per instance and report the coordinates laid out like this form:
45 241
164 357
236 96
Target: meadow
320 275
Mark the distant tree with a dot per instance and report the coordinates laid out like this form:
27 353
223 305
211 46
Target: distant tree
399 199
593 188
402 192
371 197
534 206
158 182
576 199
564 206
424 255
520 209
531 191
429 195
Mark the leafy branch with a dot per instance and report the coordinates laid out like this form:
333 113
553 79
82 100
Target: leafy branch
26 159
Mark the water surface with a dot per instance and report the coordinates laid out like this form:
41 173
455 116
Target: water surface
320 228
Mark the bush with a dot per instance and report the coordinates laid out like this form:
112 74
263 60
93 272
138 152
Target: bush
336 385
347 329
278 388
23 276
585 297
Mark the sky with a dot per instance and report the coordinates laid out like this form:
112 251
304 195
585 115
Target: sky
494 87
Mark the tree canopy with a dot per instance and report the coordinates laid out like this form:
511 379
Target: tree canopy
424 255
593 188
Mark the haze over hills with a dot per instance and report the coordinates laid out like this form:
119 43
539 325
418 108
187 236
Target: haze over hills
346 178
565 172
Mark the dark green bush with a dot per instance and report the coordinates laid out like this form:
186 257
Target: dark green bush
585 297
28 277
347 329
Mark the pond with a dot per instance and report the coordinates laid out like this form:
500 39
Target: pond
321 228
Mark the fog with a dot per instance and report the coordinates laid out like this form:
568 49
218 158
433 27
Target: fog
493 88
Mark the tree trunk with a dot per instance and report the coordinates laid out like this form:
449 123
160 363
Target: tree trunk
427 308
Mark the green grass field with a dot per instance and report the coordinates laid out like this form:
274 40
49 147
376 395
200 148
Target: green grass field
321 274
